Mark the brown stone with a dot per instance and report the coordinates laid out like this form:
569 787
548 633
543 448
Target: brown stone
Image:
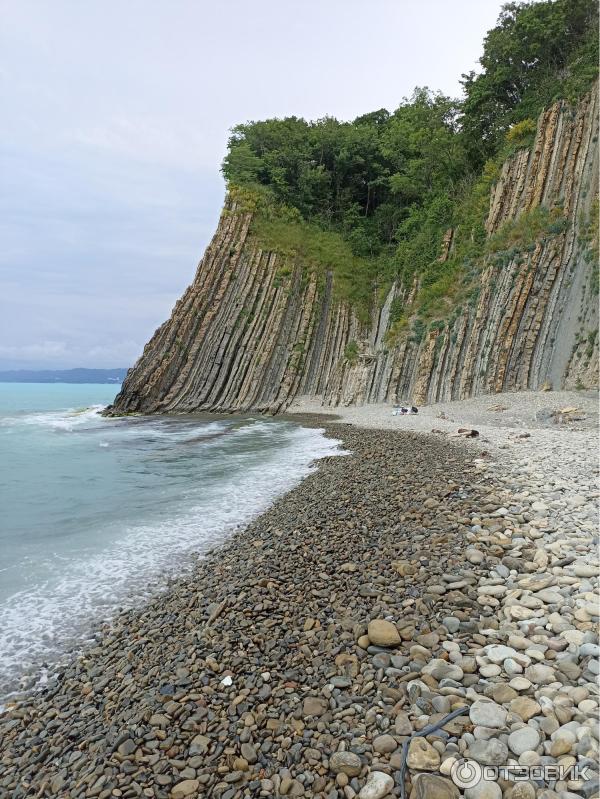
525 707
314 706
422 756
383 633
432 786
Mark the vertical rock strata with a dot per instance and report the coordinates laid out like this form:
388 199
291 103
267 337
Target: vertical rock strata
256 329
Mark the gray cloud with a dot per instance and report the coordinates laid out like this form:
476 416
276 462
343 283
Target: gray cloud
115 120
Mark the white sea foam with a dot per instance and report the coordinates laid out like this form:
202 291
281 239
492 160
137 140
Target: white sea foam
62 420
39 623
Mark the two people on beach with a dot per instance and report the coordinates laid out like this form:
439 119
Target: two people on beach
402 410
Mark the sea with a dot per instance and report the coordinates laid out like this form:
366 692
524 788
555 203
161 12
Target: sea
97 514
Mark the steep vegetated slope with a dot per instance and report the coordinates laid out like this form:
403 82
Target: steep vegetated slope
445 250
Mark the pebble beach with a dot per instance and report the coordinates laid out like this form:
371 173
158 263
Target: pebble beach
418 618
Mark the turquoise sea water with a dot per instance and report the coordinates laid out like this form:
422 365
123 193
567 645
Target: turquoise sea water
97 513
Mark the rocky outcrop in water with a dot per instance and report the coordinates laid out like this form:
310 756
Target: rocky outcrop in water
253 332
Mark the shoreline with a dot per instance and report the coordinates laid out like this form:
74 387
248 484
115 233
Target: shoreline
256 669
43 629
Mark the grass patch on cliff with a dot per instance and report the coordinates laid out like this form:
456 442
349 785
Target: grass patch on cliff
447 285
319 250
528 228
589 240
281 228
351 352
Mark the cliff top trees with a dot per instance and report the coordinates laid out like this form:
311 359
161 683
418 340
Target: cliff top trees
535 54
390 184
359 177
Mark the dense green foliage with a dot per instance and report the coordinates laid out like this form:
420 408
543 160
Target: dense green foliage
535 54
371 199
358 178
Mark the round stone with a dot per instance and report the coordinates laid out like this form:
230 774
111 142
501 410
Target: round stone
562 743
345 763
248 753
490 670
497 653
585 570
530 759
501 692
184 789
474 556
525 708
487 714
489 753
520 683
422 756
378 784
441 669
511 667
199 745
384 744
451 623
314 706
540 674
484 790
383 633
431 786
523 740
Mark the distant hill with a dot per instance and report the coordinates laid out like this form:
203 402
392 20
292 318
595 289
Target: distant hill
63 376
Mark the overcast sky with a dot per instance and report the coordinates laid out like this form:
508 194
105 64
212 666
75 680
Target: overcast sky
115 117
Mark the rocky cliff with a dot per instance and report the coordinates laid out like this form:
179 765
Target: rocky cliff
257 329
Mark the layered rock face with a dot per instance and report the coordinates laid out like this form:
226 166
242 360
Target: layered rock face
254 331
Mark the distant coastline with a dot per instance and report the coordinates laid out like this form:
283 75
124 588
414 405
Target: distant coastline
63 375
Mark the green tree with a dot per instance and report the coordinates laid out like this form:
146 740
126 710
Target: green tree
536 53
